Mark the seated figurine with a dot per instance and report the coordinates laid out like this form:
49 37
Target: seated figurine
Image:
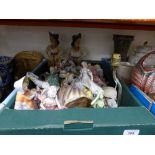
76 53
53 51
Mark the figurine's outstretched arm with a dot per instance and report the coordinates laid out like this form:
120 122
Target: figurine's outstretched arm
39 83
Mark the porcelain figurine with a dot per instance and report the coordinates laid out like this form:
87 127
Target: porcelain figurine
69 65
110 96
48 96
49 99
86 80
76 53
53 51
77 88
35 79
97 75
25 100
69 77
53 77
68 94
98 102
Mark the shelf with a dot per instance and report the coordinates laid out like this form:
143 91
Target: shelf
129 24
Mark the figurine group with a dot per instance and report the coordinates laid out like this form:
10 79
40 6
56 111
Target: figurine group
74 55
71 82
52 94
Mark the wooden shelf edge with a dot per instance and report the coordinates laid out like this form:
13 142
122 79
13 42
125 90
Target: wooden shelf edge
78 23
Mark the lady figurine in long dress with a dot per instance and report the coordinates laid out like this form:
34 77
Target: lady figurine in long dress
53 51
76 53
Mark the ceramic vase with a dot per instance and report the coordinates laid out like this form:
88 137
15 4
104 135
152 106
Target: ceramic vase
122 44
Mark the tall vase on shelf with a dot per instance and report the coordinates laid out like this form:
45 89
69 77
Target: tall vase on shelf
122 44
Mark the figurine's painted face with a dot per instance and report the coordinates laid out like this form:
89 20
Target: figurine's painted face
77 43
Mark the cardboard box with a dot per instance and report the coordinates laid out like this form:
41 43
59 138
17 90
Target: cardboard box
130 118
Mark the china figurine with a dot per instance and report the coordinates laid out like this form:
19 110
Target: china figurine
76 53
98 102
68 79
35 79
97 74
74 89
86 80
69 65
48 97
53 51
69 94
25 100
110 96
53 78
